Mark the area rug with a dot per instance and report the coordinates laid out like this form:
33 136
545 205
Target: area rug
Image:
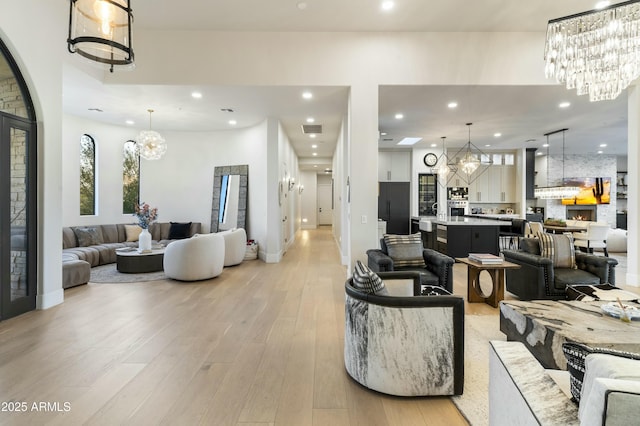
105 274
474 402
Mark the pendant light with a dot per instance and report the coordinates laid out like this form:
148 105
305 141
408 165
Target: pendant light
100 30
559 191
151 145
473 162
443 168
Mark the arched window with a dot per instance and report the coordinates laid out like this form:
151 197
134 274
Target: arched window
87 176
130 177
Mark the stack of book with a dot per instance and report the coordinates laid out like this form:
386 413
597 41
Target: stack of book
485 258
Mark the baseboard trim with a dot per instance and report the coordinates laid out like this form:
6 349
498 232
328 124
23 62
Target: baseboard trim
49 300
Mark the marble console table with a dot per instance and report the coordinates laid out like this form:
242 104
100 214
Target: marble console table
544 325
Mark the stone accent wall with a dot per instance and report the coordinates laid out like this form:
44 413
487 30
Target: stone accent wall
596 165
11 102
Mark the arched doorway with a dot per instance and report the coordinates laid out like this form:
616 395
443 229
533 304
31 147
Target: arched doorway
18 167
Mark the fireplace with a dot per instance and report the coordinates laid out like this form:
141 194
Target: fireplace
582 213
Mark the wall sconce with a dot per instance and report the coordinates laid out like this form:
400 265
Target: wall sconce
292 184
300 189
100 30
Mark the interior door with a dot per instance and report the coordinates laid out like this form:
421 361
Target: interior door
17 216
325 212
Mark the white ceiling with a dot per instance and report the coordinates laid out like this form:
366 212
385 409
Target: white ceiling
519 113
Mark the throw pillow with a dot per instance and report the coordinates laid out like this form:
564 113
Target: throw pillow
87 237
559 248
179 231
576 354
367 281
132 232
405 250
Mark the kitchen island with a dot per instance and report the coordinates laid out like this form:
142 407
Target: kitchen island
457 236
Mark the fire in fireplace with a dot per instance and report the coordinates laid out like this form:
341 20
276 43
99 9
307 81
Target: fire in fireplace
582 213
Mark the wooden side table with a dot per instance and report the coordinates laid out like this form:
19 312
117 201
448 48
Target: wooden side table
495 270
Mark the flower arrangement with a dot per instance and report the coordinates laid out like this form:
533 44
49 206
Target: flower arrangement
145 214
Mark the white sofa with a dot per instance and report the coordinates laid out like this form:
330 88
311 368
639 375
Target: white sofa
235 246
197 258
522 392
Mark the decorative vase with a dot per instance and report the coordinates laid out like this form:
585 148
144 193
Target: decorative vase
144 241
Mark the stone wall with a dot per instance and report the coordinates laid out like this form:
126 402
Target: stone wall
11 102
596 165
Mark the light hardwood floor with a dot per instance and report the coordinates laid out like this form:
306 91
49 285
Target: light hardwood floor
259 345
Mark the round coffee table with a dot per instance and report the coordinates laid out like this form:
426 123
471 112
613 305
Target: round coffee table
132 262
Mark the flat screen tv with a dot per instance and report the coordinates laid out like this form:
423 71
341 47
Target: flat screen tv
593 190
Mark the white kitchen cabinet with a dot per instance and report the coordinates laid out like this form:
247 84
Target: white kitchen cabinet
494 185
394 166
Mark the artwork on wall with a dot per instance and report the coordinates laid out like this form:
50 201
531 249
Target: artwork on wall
593 190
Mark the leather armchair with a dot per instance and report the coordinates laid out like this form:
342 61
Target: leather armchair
438 270
537 278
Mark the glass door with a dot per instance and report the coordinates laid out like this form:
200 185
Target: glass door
427 194
17 221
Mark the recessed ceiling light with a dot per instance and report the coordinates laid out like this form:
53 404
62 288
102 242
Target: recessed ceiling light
307 95
383 134
433 145
564 104
544 145
311 120
602 145
488 145
387 5
233 122
130 122
302 5
497 135
602 4
314 146
409 141
312 135
452 105
399 116
538 153
315 154
196 95
599 152
315 165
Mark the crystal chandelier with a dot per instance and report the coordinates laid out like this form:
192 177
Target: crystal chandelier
555 192
595 52
151 145
443 168
473 163
100 30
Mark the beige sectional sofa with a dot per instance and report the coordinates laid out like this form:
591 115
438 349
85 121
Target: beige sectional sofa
84 247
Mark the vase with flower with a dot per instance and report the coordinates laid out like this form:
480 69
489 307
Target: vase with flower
146 216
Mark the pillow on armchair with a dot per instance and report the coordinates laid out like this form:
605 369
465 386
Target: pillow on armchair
559 248
405 250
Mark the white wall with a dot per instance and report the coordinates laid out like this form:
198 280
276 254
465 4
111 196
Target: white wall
36 42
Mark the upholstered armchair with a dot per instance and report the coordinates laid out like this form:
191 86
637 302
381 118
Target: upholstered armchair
436 268
404 345
538 278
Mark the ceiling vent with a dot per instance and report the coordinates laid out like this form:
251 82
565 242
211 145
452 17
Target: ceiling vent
311 128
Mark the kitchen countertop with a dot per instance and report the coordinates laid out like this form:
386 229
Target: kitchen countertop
463 220
496 216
